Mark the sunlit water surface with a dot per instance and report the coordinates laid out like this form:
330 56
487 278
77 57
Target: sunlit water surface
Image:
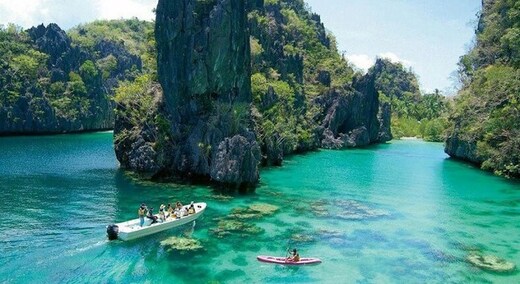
395 213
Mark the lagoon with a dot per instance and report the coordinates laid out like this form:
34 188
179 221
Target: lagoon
397 212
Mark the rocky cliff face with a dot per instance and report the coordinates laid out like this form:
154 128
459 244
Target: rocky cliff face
353 116
62 96
204 71
201 124
465 149
484 120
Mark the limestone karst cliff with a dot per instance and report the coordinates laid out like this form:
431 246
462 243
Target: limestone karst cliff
485 120
204 71
206 116
51 84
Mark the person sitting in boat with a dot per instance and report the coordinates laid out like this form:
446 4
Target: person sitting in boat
162 215
169 209
141 212
183 212
177 213
191 209
164 210
151 216
295 256
178 205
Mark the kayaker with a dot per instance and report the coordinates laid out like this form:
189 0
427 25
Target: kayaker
295 257
141 212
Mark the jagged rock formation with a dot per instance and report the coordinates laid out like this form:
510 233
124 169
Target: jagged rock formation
303 88
393 80
201 124
204 71
63 57
50 85
353 117
485 121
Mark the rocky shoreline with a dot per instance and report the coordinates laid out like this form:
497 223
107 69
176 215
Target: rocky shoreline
201 124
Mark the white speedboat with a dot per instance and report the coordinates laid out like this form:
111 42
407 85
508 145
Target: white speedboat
130 230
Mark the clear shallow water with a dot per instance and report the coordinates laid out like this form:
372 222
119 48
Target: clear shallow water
399 212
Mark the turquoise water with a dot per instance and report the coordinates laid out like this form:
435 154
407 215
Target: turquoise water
395 213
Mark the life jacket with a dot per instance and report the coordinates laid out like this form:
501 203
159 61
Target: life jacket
141 212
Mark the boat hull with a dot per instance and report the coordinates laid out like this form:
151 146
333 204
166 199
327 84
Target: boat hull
131 230
284 261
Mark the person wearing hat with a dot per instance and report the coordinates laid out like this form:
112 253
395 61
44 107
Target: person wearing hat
141 212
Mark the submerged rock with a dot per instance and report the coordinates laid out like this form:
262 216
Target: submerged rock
320 210
254 211
244 213
235 222
181 244
221 197
228 227
491 263
345 209
354 210
302 238
326 233
264 208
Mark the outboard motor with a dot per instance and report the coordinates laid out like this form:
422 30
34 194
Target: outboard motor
112 231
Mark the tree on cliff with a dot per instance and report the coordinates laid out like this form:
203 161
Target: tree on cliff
413 114
52 83
205 116
485 125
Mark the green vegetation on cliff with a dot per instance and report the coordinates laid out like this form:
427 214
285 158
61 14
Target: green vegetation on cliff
135 35
486 117
58 82
413 114
249 95
35 92
294 60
